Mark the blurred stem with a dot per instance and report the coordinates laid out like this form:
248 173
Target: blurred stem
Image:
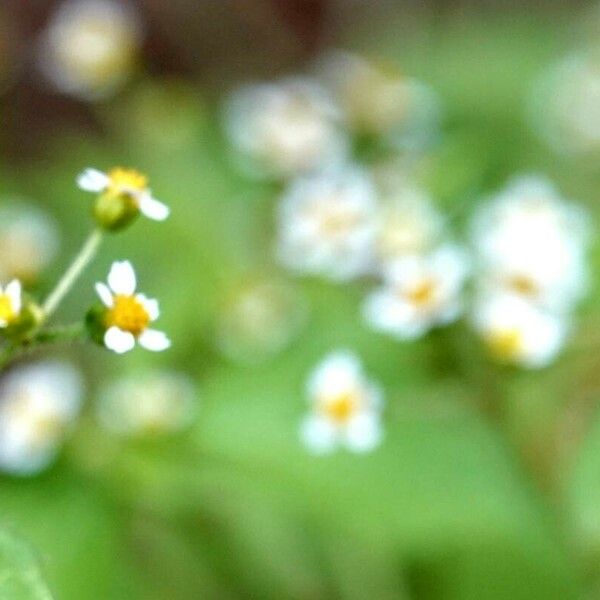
82 260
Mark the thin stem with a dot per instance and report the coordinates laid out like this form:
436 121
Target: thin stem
65 283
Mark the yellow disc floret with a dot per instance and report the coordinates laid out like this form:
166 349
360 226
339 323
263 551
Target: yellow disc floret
505 344
422 294
7 310
126 181
128 314
340 409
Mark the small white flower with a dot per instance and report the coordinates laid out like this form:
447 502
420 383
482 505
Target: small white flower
285 128
326 225
28 241
518 332
531 243
149 403
128 314
119 181
38 404
419 293
90 47
345 407
11 303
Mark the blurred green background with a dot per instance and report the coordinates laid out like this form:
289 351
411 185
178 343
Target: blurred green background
488 483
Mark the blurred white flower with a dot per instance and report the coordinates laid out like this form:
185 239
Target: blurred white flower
565 104
517 332
148 403
285 128
345 407
28 241
326 224
407 224
128 314
90 47
11 302
128 182
259 319
419 293
531 243
379 100
38 404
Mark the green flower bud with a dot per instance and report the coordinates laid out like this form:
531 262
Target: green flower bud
115 210
95 323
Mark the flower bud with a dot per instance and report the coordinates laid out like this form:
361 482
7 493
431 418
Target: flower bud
95 323
115 210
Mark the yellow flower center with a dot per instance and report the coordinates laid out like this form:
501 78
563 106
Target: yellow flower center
128 314
7 311
340 409
423 293
505 344
126 181
523 285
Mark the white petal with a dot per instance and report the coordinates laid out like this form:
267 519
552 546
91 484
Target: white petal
363 433
150 305
118 341
13 291
153 208
121 278
318 435
154 340
105 295
92 180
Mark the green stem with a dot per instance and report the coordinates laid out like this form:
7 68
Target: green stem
65 283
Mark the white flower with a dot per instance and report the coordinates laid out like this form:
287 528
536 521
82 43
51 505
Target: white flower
419 293
119 181
285 128
531 243
11 303
148 403
380 101
518 332
128 314
258 319
345 407
28 241
326 225
90 47
38 404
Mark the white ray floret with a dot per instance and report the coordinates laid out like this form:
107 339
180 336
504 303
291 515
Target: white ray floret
419 293
345 407
128 314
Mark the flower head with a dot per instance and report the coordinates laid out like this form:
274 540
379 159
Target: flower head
419 292
126 316
326 224
38 403
345 407
123 194
11 303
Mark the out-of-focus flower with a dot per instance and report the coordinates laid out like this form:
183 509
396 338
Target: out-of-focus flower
380 100
28 241
90 47
408 224
326 224
10 303
285 128
419 293
259 319
345 407
565 104
531 243
124 193
149 403
127 315
38 404
517 332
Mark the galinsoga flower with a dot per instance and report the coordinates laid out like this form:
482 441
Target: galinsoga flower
419 293
38 404
285 128
148 403
11 303
326 224
517 332
345 407
127 186
127 315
